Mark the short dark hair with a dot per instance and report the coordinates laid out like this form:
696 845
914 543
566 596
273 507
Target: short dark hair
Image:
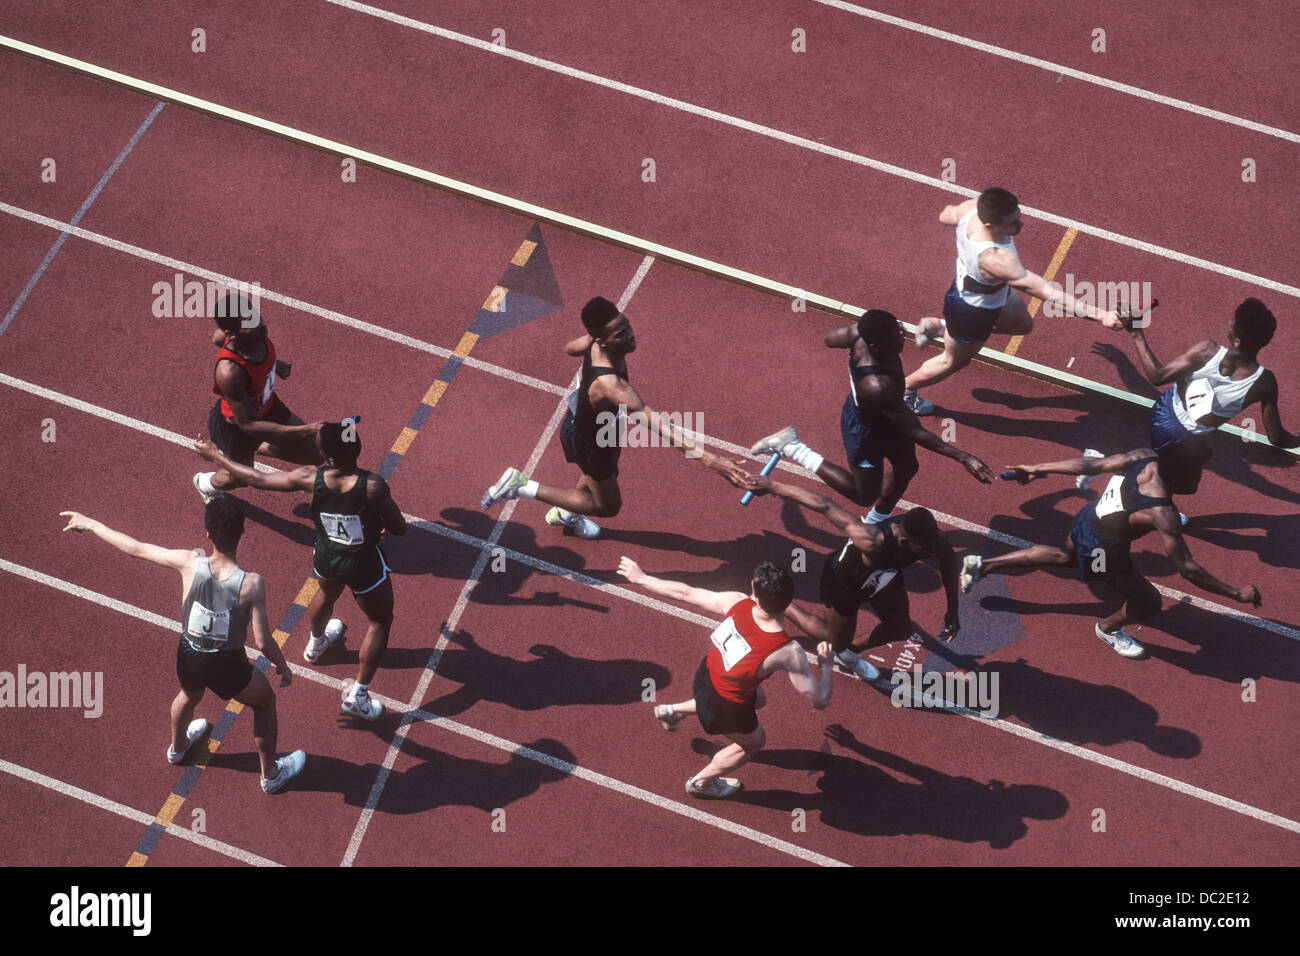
1181 465
231 311
1254 324
597 314
877 326
773 588
342 442
919 523
995 204
223 520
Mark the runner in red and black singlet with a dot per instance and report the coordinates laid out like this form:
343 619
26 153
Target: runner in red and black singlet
248 418
590 435
749 646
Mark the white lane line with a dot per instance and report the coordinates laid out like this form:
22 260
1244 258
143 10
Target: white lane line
86 204
1241 617
1067 71
136 816
412 714
330 315
804 143
462 600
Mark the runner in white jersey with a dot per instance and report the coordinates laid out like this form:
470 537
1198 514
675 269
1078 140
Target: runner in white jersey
220 602
1212 384
980 300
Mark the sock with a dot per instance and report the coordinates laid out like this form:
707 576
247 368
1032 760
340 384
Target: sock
205 483
801 454
568 517
360 690
875 517
528 489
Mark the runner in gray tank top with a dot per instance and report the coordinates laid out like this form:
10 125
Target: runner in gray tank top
221 601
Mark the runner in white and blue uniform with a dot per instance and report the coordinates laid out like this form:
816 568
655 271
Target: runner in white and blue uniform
1136 500
980 300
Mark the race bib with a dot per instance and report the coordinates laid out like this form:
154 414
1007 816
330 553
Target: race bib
1112 499
1199 399
877 580
730 643
209 625
343 529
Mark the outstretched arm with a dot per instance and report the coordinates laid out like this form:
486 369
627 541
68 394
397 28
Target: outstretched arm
1158 374
1168 525
300 479
713 602
950 572
1086 466
177 560
230 379
1278 435
840 519
905 420
1005 264
814 688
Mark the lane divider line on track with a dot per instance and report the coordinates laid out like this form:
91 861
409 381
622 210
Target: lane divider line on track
1053 267
666 253
1264 624
1060 70
81 211
412 714
792 139
136 816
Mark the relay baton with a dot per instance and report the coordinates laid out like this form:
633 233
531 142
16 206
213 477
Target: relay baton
748 496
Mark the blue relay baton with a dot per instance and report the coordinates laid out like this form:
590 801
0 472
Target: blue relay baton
748 496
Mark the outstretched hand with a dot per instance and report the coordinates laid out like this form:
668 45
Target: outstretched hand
1250 595
758 484
728 469
630 570
205 448
841 735
977 469
76 521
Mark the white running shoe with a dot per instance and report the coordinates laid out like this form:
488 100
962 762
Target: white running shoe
286 768
316 646
665 714
1083 481
930 329
194 733
363 705
203 494
918 405
506 488
775 443
859 667
972 569
719 788
1121 643
581 525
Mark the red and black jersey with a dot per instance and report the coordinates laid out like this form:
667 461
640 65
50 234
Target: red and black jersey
261 389
739 647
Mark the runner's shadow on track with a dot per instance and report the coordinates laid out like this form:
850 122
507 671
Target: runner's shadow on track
551 679
1129 374
861 798
295 531
1227 650
1078 712
1277 544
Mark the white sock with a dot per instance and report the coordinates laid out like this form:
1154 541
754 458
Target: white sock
568 517
875 517
528 489
360 690
801 454
205 483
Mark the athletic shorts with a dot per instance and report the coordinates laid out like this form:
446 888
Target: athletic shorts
1170 440
595 462
225 673
717 714
231 439
867 446
967 324
361 572
841 590
1088 538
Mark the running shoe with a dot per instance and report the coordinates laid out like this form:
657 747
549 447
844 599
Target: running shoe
286 768
505 489
918 405
719 788
361 705
667 716
581 525
775 443
1083 481
203 494
194 733
1121 643
859 667
930 329
316 646
972 569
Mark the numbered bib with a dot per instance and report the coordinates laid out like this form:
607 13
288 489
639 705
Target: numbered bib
877 580
343 529
1111 501
1199 399
206 624
730 643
